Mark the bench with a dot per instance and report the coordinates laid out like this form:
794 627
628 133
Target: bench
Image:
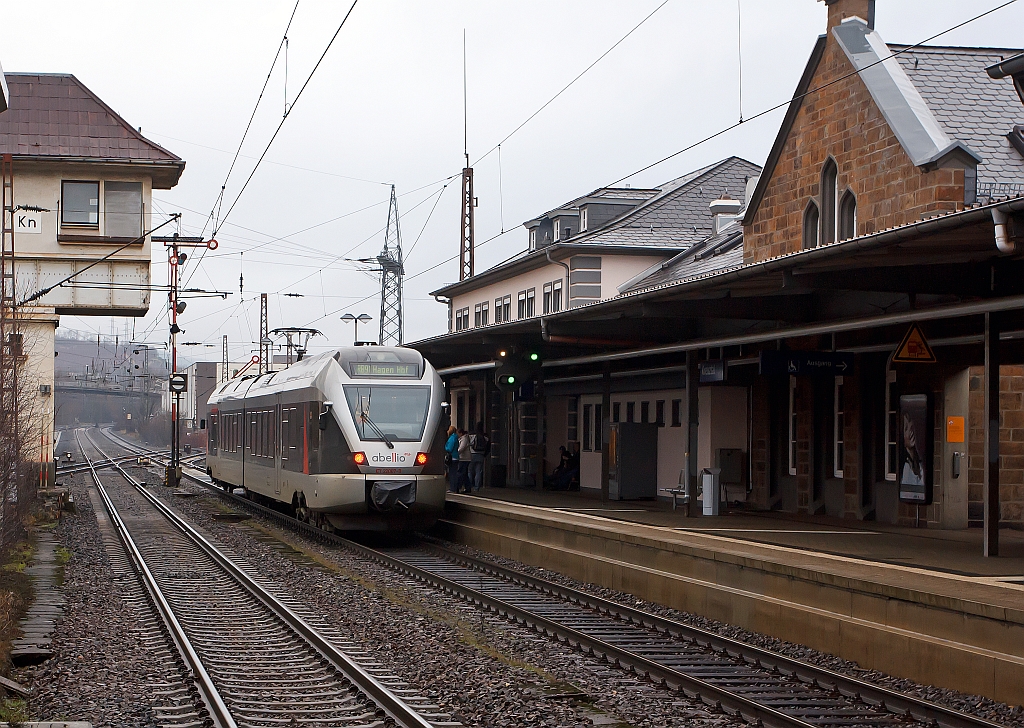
676 493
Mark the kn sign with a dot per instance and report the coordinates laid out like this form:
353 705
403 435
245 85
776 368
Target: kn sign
178 383
27 221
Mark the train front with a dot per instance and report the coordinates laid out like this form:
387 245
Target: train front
387 403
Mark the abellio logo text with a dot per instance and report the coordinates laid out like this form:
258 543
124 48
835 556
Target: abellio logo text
391 457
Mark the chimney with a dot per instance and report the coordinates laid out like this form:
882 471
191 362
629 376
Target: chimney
724 210
839 10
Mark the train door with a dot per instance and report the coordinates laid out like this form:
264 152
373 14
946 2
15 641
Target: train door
278 416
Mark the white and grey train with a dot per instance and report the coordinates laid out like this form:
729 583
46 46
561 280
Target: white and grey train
351 438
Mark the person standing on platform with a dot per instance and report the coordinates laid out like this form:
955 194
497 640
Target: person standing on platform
464 455
451 458
479 449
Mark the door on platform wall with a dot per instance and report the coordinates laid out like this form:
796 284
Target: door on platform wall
782 488
589 419
953 480
827 485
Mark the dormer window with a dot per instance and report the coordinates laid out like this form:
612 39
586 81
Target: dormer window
848 216
566 232
533 238
829 184
558 229
811 219
583 219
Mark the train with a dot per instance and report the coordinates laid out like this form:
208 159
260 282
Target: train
349 439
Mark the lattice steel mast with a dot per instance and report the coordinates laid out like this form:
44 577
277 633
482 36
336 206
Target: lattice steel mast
392 271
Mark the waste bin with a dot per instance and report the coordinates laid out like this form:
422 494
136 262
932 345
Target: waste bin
711 483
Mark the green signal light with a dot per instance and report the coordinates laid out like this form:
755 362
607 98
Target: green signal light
511 380
534 357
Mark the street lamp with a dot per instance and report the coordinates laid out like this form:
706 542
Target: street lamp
360 319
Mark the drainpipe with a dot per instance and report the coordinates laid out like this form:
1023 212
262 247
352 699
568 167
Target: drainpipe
547 252
1003 242
447 302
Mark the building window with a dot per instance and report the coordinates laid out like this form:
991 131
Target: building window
476 316
791 449
122 209
462 319
598 428
547 298
645 412
829 183
677 406
848 216
630 411
533 238
892 436
506 308
531 303
811 226
583 219
484 313
521 305
80 203
659 412
558 230
497 311
838 429
556 296
616 411
588 415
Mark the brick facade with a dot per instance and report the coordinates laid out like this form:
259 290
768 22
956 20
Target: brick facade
842 121
1011 445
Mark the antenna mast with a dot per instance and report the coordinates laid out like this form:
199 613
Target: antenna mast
391 274
466 256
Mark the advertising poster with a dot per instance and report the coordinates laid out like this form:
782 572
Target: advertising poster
915 477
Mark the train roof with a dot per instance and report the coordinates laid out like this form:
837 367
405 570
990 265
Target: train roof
306 373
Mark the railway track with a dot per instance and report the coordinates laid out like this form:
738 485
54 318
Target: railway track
255 659
743 680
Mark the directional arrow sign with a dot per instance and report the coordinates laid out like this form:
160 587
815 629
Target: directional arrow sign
178 383
806 363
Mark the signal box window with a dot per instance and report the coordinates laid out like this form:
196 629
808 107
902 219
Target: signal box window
80 203
122 209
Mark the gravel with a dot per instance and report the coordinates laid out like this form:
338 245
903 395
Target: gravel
483 670
107 659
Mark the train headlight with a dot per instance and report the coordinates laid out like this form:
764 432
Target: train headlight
360 458
421 458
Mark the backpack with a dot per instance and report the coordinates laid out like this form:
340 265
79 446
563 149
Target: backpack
483 446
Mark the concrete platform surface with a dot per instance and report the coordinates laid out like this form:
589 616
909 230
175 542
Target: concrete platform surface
911 602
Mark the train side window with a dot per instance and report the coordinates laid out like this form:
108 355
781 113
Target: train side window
213 434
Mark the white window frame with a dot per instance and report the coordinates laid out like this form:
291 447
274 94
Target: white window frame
557 231
891 425
583 219
791 443
838 429
533 238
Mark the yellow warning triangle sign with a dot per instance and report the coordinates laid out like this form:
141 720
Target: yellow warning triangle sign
914 348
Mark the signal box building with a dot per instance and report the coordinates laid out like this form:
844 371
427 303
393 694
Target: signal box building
850 346
82 180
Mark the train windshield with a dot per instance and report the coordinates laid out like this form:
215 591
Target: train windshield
399 413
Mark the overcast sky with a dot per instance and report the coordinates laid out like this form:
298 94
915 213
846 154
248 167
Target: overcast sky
386 107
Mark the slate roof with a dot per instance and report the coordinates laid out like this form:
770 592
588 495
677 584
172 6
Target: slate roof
679 215
970 106
718 252
55 115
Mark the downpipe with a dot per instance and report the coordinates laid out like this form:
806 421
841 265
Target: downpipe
1001 219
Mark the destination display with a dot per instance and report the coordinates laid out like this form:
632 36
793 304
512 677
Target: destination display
383 369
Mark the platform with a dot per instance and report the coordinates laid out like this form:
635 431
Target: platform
923 604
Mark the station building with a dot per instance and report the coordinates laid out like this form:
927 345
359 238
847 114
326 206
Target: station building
80 180
752 317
